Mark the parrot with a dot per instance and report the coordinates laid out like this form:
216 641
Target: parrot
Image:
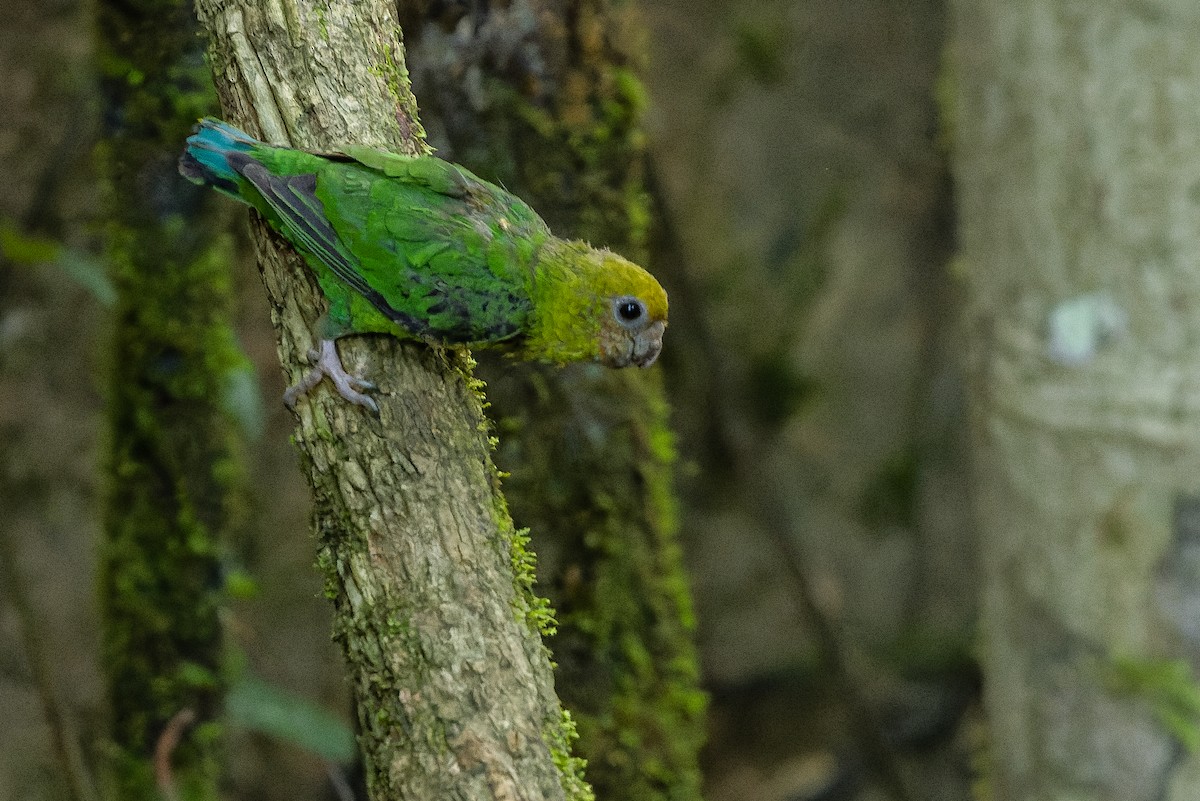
422 249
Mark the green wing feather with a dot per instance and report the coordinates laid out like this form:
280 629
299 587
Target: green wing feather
435 242
299 214
441 177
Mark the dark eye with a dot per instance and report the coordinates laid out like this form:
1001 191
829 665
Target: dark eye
630 310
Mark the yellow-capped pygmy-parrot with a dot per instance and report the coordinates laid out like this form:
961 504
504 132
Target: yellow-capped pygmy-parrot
422 249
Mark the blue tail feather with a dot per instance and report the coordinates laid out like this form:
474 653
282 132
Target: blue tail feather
206 159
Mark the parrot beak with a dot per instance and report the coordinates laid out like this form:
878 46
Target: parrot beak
648 344
620 347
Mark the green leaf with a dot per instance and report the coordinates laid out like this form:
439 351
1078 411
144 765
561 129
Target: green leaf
81 267
256 705
242 400
24 249
88 272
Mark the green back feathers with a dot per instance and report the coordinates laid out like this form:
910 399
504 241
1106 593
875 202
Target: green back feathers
437 242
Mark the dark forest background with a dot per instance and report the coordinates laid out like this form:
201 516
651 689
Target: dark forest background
798 167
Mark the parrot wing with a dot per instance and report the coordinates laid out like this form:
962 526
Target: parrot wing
435 242
303 220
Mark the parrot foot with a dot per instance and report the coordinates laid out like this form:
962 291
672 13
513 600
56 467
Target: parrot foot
327 364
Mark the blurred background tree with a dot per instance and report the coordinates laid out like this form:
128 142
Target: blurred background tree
798 159
173 462
817 390
50 401
1077 167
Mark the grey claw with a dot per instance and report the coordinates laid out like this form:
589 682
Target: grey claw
301 387
327 364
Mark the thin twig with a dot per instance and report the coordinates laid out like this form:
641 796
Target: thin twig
168 741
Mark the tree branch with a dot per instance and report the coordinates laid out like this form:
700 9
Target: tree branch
452 684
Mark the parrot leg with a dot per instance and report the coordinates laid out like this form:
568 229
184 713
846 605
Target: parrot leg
327 364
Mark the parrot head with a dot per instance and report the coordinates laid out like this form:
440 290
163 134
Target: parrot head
599 306
632 325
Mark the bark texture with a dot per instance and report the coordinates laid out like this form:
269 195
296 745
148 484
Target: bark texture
430 587
172 464
1078 170
545 98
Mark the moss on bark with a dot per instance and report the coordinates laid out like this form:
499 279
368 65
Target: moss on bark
172 465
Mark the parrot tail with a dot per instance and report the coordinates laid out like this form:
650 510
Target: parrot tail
207 157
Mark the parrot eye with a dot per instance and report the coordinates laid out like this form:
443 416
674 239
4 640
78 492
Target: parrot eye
628 310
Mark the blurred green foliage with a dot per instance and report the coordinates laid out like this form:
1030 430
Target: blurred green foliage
265 708
79 266
1168 686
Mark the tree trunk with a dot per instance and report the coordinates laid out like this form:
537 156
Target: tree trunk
453 687
544 97
173 468
1076 163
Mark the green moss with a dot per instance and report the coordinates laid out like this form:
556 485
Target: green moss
393 70
171 500
634 98
560 737
381 644
535 610
173 467
528 605
628 667
322 23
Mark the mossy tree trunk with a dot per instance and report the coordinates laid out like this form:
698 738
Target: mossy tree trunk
1076 164
172 465
452 684
544 97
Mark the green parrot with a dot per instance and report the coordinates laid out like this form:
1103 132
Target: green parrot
422 249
